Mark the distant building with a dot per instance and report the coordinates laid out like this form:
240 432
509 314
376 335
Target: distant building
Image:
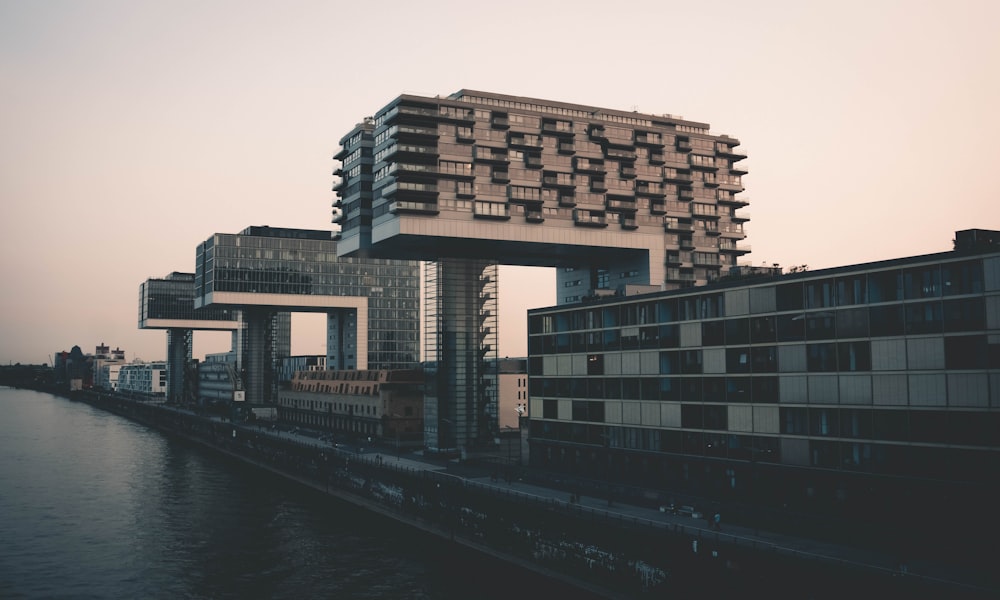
386 405
290 365
869 390
147 379
217 378
512 391
372 305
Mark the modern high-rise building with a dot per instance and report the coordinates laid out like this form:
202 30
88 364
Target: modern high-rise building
619 201
372 305
615 198
869 390
168 304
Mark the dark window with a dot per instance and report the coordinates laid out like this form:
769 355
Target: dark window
823 422
692 416
630 388
691 361
924 317
855 356
669 390
821 326
613 388
922 282
964 314
788 296
764 359
691 389
669 363
713 333
738 331
738 360
713 389
765 390
794 421
550 409
595 364
762 329
611 316
852 322
738 389
611 339
890 425
824 454
966 352
649 337
962 278
885 287
820 294
855 423
716 417
821 357
666 310
886 320
851 290
791 328
670 336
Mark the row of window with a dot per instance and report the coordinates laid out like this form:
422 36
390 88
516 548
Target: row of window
915 318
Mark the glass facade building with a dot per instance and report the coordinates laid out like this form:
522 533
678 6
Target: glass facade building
372 304
870 390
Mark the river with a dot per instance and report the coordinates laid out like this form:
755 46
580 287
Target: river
95 506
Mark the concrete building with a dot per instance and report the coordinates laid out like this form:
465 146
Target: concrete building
868 390
372 305
168 304
619 201
147 379
385 405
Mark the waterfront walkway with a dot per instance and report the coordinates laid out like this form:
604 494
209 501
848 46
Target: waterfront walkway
698 526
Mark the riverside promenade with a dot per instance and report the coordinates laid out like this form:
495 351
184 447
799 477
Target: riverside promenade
613 549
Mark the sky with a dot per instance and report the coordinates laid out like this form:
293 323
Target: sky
132 131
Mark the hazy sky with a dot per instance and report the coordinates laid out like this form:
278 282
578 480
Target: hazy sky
132 131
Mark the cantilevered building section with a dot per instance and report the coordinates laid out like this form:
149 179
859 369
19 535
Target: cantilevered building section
614 198
168 304
619 201
372 305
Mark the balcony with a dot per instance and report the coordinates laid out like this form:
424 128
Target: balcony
627 171
598 185
656 158
628 222
730 152
644 188
589 219
706 259
533 161
490 155
500 122
657 207
738 169
588 165
735 248
686 243
338 203
647 138
685 194
620 153
524 140
534 216
677 176
558 180
491 210
741 217
596 132
683 145
410 188
732 200
731 186
500 176
337 216
621 204
566 147
558 127
675 225
407 206
677 275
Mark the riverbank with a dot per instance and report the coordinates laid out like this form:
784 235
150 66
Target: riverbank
617 552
